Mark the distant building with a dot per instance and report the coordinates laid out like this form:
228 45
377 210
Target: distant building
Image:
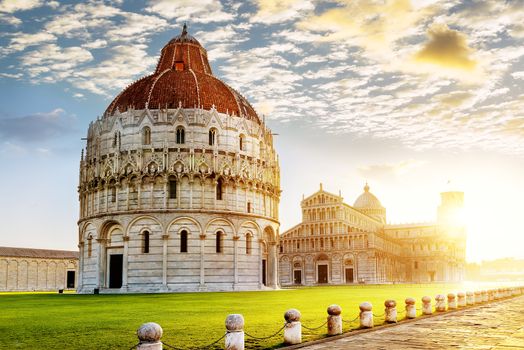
24 269
179 186
341 244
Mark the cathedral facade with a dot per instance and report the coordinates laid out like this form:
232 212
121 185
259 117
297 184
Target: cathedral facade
337 243
179 186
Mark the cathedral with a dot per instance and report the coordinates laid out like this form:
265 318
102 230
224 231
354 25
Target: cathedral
337 243
179 185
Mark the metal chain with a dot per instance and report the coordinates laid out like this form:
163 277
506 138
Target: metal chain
353 320
264 338
170 346
213 343
134 346
315 328
379 315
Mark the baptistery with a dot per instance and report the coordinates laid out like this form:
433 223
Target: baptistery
179 185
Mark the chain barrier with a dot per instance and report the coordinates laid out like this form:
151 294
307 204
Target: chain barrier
264 338
213 343
134 346
401 312
170 346
378 316
315 328
353 320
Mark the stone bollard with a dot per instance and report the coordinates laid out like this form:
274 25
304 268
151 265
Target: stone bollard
491 295
470 298
293 328
440 303
497 294
334 320
366 315
485 297
411 310
461 299
452 301
478 297
426 305
390 311
149 335
234 332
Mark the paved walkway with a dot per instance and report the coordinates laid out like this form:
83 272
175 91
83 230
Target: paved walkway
495 326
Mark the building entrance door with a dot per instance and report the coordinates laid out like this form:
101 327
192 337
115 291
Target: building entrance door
115 270
264 268
322 272
349 275
297 277
70 279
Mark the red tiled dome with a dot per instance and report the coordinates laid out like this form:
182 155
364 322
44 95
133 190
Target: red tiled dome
183 77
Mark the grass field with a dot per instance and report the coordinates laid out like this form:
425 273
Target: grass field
71 321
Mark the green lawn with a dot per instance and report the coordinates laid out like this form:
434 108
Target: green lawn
52 321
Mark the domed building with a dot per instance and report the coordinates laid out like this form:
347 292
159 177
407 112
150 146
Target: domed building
179 185
341 244
368 204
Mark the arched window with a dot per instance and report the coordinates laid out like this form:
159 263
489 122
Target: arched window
146 135
261 148
249 243
113 194
172 188
212 137
115 139
183 241
242 142
219 189
145 242
219 242
89 246
180 135
249 207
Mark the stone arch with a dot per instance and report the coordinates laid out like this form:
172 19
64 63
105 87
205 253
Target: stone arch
109 226
143 217
214 225
252 226
85 229
270 234
183 222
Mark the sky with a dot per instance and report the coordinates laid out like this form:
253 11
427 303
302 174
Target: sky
414 97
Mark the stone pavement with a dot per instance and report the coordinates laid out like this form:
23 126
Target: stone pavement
496 326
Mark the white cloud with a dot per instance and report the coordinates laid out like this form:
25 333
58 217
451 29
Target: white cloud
20 41
385 170
202 11
125 62
11 20
278 11
11 6
97 44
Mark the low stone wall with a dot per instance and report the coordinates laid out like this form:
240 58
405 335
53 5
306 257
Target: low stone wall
149 334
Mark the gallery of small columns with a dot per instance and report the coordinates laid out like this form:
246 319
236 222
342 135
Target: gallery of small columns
178 191
341 267
141 253
26 274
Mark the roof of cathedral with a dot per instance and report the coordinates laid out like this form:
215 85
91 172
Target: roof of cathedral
367 200
183 78
37 253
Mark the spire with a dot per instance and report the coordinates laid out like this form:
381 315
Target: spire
184 30
366 188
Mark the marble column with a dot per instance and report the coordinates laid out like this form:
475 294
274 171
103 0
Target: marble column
202 260
125 262
165 239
